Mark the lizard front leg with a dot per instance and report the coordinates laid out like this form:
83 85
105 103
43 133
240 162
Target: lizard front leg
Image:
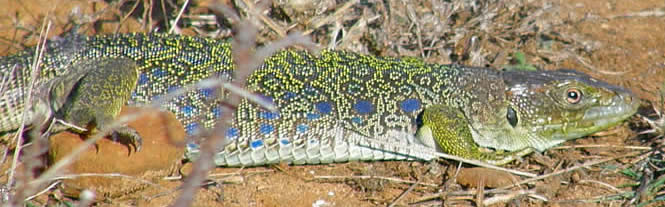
97 97
450 130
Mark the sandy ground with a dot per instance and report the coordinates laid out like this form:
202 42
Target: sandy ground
621 41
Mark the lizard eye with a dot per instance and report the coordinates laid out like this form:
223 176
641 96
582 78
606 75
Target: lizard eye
573 95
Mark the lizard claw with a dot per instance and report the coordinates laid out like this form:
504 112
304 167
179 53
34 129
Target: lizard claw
128 136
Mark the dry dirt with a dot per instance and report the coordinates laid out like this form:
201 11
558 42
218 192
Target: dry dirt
620 41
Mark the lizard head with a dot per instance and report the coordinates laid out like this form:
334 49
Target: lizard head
545 108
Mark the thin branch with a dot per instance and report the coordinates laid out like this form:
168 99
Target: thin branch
325 177
587 164
177 18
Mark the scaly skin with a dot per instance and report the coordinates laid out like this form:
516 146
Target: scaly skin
107 86
76 97
341 106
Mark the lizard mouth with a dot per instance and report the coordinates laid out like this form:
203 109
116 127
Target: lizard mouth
621 107
594 119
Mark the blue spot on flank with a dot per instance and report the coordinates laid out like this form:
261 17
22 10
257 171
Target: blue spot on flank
192 145
217 112
207 92
302 128
171 89
256 143
410 105
289 95
232 132
143 79
191 128
324 107
157 72
267 99
357 120
266 128
312 116
284 141
187 110
268 115
363 107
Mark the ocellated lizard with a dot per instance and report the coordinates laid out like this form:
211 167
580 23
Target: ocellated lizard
334 107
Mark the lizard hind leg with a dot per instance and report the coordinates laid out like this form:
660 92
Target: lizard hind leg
97 98
449 129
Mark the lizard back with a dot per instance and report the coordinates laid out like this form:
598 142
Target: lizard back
341 106
336 106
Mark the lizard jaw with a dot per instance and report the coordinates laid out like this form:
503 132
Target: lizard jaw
622 106
597 118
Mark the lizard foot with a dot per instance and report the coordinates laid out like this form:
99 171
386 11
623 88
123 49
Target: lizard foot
128 136
449 129
94 99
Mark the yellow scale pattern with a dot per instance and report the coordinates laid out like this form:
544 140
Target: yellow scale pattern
166 63
327 99
337 106
368 95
